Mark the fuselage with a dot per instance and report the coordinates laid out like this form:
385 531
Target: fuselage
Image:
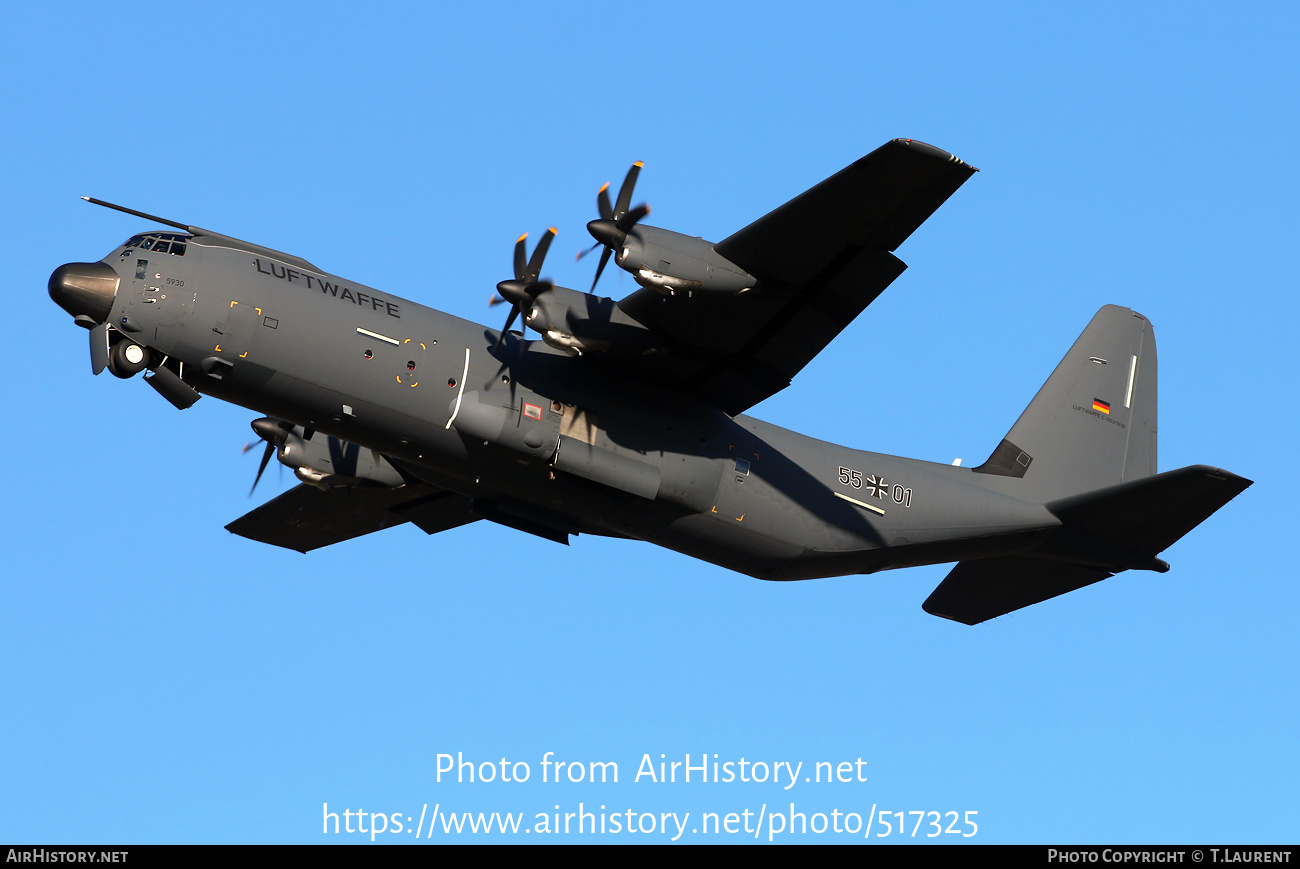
558 440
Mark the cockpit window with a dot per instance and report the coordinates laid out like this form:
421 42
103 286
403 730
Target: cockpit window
159 242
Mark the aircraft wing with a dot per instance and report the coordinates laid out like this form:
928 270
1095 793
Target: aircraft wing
820 260
305 518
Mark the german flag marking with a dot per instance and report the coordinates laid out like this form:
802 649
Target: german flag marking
1098 404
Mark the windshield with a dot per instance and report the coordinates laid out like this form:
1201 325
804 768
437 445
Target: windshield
159 242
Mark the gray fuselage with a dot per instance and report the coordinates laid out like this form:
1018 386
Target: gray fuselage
555 438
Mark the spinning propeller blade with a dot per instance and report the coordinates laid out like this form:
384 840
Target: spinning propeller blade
273 431
615 220
526 286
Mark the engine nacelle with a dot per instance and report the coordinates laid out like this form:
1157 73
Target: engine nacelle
580 323
325 461
670 263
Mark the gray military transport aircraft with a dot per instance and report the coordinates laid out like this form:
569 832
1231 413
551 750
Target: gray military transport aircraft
625 419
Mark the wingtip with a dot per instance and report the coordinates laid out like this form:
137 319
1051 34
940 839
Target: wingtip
937 153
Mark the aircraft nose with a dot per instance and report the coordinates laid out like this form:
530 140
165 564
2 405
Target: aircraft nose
84 289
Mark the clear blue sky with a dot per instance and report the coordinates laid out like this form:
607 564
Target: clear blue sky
165 681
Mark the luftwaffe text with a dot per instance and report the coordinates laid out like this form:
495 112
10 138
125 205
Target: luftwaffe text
338 291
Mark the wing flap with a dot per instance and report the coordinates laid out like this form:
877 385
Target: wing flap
305 518
745 348
436 512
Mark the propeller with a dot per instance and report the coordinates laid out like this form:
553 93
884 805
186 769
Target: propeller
274 432
526 287
615 221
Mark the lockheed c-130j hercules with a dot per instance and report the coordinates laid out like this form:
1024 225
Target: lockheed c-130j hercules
626 418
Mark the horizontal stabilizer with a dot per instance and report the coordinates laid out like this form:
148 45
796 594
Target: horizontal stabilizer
976 591
305 518
1102 533
1148 515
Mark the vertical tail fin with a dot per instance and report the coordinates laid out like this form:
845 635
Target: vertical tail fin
1093 424
1085 448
